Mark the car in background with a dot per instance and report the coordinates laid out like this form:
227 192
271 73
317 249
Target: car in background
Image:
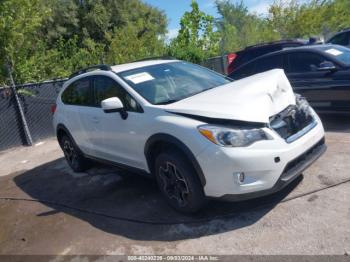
239 58
321 73
340 38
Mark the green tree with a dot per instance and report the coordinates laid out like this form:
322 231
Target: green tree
126 45
337 15
139 33
239 28
51 38
295 20
19 22
122 30
100 20
61 61
63 22
300 19
197 39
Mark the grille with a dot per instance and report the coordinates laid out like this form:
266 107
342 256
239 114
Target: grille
290 121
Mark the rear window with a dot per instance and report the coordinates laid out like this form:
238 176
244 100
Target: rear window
341 39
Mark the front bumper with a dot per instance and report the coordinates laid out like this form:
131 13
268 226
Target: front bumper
291 172
268 165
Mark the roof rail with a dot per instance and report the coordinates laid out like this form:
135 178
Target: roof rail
156 58
276 42
91 68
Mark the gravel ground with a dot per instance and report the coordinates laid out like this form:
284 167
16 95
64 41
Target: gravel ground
107 211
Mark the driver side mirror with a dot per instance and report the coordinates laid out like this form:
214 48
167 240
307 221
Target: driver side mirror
112 105
327 66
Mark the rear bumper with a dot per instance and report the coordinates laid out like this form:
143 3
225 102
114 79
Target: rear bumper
293 169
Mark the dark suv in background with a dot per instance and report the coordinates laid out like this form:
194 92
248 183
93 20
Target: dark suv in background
321 73
251 52
341 38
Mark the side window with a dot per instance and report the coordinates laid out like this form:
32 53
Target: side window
304 62
78 93
268 63
341 39
105 87
66 95
244 71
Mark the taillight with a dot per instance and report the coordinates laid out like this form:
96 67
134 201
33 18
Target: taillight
53 108
230 58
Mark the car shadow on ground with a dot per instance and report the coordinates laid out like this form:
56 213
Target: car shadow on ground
109 198
129 205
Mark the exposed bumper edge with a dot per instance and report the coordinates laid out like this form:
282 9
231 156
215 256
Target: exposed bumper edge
291 172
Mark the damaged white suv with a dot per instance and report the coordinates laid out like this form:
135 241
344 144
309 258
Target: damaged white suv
197 132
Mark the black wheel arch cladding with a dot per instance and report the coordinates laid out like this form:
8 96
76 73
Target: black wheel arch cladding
63 130
162 138
149 147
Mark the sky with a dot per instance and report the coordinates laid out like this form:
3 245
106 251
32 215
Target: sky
174 9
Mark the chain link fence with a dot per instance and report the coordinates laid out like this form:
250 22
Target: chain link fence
218 64
36 101
11 129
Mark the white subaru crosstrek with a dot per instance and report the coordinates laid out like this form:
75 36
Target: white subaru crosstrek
197 132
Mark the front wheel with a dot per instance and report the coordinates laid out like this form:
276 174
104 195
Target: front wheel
179 182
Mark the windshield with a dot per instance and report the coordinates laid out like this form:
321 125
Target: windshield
171 82
339 53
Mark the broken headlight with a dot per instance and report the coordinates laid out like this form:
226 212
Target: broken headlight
224 136
302 104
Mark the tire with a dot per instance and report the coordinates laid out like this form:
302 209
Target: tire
178 182
73 155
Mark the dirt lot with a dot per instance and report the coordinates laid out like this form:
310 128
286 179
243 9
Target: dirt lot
106 211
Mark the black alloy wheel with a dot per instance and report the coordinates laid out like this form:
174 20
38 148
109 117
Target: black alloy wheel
179 182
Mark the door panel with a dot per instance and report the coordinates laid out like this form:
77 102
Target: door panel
91 126
75 125
325 90
123 139
117 139
315 86
340 100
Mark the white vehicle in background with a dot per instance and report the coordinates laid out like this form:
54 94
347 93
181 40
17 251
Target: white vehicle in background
197 132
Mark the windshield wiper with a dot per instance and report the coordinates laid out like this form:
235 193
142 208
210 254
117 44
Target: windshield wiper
167 102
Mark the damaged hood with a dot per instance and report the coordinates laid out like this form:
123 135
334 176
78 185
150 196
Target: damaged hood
252 99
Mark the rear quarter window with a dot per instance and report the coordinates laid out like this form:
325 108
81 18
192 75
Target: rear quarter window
78 93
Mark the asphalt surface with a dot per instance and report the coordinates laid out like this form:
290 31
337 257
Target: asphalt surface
45 208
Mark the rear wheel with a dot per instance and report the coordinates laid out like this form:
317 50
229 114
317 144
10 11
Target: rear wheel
179 182
73 156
